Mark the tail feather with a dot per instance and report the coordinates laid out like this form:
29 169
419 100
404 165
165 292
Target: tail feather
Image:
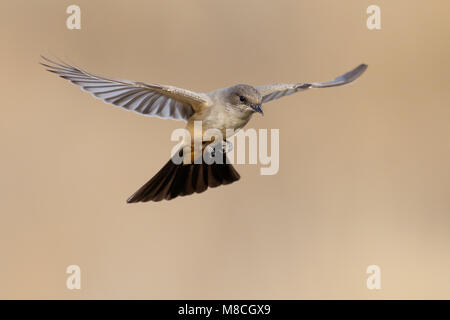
151 188
160 191
200 184
175 180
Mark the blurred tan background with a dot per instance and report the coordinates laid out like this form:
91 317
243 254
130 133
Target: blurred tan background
364 169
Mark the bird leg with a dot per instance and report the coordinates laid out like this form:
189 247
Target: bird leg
227 146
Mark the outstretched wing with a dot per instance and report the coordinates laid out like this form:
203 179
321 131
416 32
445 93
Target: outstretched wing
276 91
149 99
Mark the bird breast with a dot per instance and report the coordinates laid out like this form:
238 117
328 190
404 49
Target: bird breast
221 118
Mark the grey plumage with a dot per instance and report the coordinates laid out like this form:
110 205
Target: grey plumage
276 91
148 99
227 108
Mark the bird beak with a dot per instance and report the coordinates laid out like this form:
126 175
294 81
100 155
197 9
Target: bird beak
258 109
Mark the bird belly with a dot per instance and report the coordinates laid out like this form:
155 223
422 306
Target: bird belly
226 120
220 119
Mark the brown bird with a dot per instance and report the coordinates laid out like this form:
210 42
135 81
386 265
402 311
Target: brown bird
222 109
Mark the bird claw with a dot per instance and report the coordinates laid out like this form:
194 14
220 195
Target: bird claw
210 150
227 147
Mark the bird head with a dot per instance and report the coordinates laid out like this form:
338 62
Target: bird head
245 98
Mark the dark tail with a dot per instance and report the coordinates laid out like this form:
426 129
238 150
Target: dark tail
175 180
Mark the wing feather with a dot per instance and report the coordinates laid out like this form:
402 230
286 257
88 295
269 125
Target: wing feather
149 99
276 91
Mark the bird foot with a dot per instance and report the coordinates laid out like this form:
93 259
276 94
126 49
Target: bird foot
227 147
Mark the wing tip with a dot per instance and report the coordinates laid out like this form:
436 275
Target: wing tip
362 67
359 70
353 74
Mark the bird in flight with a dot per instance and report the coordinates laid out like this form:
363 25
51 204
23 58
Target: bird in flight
222 109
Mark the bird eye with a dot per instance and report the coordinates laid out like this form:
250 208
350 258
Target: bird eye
242 98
